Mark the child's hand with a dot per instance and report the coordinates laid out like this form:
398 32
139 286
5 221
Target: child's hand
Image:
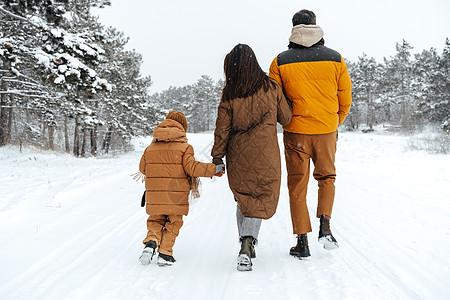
220 174
220 170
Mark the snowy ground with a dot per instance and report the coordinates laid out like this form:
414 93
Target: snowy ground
72 229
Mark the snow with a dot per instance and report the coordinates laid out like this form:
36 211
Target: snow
73 66
60 79
92 73
38 22
72 229
57 32
62 68
87 49
43 58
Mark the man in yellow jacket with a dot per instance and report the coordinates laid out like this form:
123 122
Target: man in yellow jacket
315 78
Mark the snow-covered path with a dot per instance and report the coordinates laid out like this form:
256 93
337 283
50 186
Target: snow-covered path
72 229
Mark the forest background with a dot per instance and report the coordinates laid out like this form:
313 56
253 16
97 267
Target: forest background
70 84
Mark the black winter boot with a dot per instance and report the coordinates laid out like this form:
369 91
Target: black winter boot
301 250
325 236
252 249
244 262
165 260
252 246
147 254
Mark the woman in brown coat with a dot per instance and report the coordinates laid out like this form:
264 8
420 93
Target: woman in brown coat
246 134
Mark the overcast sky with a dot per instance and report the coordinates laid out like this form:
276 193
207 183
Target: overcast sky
182 40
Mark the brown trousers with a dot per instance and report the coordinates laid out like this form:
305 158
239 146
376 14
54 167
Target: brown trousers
299 149
163 229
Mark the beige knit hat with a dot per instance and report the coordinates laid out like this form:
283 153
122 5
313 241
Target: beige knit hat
179 117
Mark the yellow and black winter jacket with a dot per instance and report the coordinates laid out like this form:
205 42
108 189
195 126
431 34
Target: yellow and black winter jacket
315 78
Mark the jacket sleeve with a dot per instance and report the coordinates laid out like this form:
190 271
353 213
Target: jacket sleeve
274 72
195 168
284 108
142 164
222 132
344 92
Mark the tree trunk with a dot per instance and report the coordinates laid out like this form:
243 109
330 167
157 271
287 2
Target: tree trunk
94 141
369 112
107 140
76 138
3 106
406 109
83 145
66 134
93 132
44 127
387 112
51 131
10 122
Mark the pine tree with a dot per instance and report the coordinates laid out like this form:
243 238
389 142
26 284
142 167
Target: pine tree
124 109
426 68
44 34
398 82
206 96
55 74
22 89
198 102
366 74
442 83
432 86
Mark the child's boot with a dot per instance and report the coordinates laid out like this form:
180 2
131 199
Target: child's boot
147 254
165 260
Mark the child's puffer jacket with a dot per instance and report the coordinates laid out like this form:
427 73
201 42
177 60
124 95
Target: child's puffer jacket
166 163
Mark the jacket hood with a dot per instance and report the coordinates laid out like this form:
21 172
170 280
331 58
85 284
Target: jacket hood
306 35
169 130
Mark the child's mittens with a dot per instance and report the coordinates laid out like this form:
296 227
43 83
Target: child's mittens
220 170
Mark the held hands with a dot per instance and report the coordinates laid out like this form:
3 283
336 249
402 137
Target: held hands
220 170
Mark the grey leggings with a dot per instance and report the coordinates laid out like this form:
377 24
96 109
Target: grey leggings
247 226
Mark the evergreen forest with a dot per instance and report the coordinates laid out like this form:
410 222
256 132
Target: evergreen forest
67 83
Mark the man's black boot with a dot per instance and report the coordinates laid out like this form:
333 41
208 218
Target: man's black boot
301 250
325 236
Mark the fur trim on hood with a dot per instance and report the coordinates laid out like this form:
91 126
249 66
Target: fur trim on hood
306 35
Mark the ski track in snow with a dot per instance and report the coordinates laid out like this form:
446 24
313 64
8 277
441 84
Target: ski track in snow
73 229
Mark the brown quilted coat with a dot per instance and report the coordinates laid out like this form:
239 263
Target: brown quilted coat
166 163
246 133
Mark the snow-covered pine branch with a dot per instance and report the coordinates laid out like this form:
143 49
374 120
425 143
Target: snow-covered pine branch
30 21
